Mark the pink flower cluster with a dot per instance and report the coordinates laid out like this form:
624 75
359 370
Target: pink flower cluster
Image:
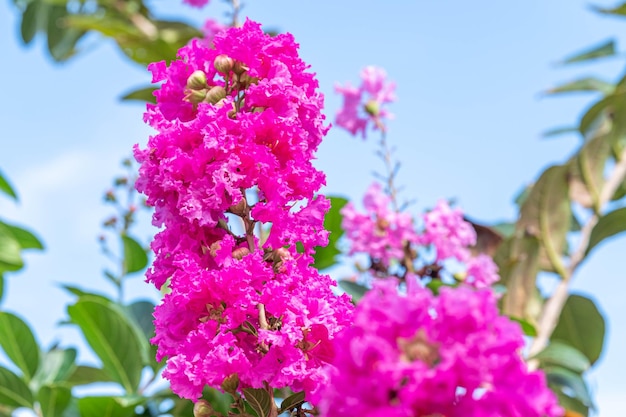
365 104
420 355
387 235
381 232
237 127
197 3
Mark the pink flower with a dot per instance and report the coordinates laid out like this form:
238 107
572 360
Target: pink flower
445 229
381 232
197 3
238 124
358 110
482 272
422 355
210 28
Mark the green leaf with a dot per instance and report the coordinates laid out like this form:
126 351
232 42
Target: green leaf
573 406
103 407
586 171
62 40
6 187
25 238
560 354
572 381
259 399
13 390
599 113
582 326
84 375
54 400
325 257
135 256
546 214
527 328
291 402
56 366
608 225
32 20
558 131
619 10
603 50
356 291
1 287
144 94
10 251
81 293
582 85
19 344
141 311
113 338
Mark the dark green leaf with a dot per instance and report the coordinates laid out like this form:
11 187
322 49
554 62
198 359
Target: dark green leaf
54 400
558 131
597 115
1 287
619 10
586 171
13 390
356 291
103 407
259 399
141 94
608 225
31 20
560 354
113 338
574 407
80 293
135 256
602 50
582 326
572 381
292 402
325 257
19 344
6 188
583 84
141 311
84 375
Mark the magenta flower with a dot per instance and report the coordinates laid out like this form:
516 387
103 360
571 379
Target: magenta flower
420 355
196 3
445 229
237 127
482 272
381 232
365 104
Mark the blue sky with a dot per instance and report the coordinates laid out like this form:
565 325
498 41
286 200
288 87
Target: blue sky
468 124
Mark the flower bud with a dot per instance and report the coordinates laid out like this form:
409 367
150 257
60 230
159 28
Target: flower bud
239 68
215 94
203 409
231 383
223 64
239 253
196 96
197 80
245 80
372 108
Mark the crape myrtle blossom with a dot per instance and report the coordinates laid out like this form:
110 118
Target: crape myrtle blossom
237 119
364 104
196 3
387 235
419 355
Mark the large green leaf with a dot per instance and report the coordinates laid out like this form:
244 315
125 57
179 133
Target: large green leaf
104 407
141 311
19 344
608 225
325 256
259 399
113 338
546 214
1 287
34 19
603 50
135 256
62 39
6 188
13 390
582 326
54 400
563 355
586 171
572 382
85 375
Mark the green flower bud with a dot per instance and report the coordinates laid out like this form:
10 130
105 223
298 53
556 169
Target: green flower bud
215 94
197 80
372 108
196 96
203 409
223 64
239 68
230 384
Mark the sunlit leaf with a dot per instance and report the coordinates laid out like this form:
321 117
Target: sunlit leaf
608 225
6 188
135 256
25 238
603 50
103 407
573 382
19 344
583 85
325 257
561 354
54 400
84 375
13 390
